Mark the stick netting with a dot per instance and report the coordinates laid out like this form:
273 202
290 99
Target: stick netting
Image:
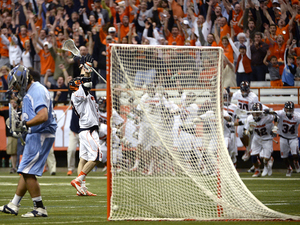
169 160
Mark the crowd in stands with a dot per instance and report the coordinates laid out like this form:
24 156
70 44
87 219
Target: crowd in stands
258 36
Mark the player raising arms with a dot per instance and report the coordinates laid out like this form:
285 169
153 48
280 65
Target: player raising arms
245 99
262 127
36 115
288 133
86 108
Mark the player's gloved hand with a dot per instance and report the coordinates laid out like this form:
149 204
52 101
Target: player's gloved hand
274 129
273 134
230 124
247 132
267 111
87 62
241 123
16 126
20 126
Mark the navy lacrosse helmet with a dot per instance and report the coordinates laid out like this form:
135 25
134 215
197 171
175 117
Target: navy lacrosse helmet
18 79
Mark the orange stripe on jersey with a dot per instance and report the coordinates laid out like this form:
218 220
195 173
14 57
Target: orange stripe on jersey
230 110
152 101
260 126
243 101
289 122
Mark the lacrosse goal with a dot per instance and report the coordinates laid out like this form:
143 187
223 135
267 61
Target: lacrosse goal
168 160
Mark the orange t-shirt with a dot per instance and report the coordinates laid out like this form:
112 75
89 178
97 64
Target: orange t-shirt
5 76
228 52
283 31
178 39
3 49
47 62
297 51
124 31
267 40
214 44
225 30
177 10
23 39
279 53
236 18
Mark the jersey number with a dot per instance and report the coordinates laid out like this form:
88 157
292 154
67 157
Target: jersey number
287 129
243 106
261 132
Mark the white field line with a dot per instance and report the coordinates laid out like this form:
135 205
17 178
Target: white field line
149 177
64 222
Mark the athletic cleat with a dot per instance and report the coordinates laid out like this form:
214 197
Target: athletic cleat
289 172
77 185
104 169
10 208
297 167
257 173
88 193
265 171
36 212
70 172
251 170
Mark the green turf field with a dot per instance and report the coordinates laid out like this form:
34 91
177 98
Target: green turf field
277 192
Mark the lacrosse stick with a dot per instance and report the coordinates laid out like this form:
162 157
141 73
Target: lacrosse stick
69 46
13 116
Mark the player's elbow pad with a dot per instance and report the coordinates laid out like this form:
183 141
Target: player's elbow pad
276 119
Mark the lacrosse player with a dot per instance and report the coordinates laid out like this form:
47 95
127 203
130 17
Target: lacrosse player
245 99
288 133
187 127
231 110
262 127
38 121
86 108
150 115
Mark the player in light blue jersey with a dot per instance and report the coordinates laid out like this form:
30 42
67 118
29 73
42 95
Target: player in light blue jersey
40 125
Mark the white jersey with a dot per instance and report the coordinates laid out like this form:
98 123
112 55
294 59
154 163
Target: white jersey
86 108
116 118
149 105
288 128
262 128
245 103
227 131
130 129
189 113
231 110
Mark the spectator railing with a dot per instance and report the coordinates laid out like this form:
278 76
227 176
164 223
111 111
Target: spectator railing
266 95
270 95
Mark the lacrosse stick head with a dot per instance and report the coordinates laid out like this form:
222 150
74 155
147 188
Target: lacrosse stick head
69 45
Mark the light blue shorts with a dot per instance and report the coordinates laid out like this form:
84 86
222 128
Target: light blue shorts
35 153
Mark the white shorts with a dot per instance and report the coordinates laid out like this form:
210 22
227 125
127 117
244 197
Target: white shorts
232 147
89 146
288 145
264 148
148 137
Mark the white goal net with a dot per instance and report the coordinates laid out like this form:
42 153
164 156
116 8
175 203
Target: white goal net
168 156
